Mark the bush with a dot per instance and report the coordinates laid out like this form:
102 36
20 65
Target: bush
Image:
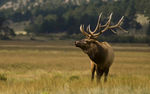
74 78
3 77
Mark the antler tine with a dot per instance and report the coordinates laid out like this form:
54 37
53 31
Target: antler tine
82 30
122 29
118 25
89 29
121 20
97 27
107 21
98 23
107 26
113 31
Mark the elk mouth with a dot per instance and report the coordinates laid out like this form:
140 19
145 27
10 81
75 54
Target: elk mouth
77 44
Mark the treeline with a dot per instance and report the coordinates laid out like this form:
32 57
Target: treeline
5 31
56 16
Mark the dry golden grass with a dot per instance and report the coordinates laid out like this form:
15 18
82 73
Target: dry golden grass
50 68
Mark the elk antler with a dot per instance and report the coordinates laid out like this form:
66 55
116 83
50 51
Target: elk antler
97 27
91 34
82 30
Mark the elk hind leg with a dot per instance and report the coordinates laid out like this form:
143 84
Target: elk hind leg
106 74
93 68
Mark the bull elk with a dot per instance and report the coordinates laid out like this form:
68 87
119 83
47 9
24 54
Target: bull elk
100 53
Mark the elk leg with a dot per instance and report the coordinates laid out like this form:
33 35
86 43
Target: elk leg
106 75
99 74
93 67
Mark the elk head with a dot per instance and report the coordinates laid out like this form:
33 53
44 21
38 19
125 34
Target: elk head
91 36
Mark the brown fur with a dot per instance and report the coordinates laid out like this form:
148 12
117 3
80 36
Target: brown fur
101 55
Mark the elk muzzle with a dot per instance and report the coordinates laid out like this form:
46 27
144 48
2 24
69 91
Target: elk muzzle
77 43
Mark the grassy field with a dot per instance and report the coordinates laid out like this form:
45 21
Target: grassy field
57 67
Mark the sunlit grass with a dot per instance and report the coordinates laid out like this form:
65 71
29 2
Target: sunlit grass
57 69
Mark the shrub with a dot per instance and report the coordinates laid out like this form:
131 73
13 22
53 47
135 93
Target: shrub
3 77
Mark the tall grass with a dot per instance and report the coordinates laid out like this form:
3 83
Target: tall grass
51 68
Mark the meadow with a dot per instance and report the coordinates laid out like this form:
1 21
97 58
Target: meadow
57 67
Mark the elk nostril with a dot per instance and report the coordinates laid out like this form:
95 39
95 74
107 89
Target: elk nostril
75 42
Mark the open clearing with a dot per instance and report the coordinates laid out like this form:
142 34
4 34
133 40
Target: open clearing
58 67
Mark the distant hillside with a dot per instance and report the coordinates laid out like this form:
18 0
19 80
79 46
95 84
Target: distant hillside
55 16
17 4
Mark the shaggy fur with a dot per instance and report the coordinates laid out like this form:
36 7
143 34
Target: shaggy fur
101 55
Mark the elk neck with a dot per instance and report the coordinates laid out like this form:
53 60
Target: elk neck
96 52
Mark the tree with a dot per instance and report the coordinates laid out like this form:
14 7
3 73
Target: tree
5 31
148 30
148 33
130 13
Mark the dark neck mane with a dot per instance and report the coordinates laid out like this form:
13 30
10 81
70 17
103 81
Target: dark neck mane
95 51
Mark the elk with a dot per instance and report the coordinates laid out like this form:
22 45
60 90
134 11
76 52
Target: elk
101 54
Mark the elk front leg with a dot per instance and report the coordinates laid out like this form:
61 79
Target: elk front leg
99 74
106 75
93 67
